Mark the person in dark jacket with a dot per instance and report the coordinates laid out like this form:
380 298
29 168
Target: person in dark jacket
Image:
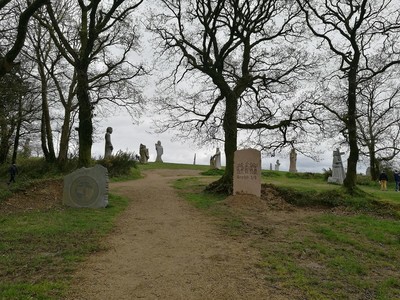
13 172
383 179
397 179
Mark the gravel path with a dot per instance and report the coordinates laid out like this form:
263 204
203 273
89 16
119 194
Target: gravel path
163 248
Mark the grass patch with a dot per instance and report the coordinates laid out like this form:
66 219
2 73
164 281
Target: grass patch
337 257
40 250
330 255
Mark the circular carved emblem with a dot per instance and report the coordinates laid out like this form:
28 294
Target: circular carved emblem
84 191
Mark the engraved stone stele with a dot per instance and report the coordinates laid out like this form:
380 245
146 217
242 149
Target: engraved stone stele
247 172
293 160
86 187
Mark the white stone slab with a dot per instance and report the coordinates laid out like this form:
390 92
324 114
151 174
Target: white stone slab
247 172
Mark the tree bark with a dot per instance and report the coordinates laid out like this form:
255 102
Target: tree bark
351 175
85 130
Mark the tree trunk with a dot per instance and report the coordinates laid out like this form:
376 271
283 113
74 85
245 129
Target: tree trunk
45 128
5 135
17 132
64 140
225 184
373 163
351 175
85 130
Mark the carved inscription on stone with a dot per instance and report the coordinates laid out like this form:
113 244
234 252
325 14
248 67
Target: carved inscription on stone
247 172
86 187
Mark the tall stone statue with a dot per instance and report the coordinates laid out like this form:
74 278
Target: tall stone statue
160 151
108 147
277 164
144 154
338 174
215 160
293 160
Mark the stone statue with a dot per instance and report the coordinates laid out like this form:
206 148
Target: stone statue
160 151
293 160
338 174
108 147
215 160
277 164
144 154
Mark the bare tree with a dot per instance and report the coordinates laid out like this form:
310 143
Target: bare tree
379 121
8 56
355 31
96 40
235 59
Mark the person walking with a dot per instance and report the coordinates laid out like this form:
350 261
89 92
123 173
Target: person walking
13 171
397 179
383 179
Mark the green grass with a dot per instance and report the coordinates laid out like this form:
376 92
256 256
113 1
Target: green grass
40 250
354 255
329 255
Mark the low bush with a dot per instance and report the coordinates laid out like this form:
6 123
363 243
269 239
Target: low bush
306 175
119 164
213 172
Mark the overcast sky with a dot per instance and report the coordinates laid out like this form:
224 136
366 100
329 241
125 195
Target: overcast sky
127 136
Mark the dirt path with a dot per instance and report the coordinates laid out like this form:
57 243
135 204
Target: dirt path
163 248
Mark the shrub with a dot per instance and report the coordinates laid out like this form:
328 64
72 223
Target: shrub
119 164
306 175
213 172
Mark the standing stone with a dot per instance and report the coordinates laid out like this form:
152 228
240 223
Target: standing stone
194 159
338 174
277 164
270 166
368 171
215 160
160 151
144 154
108 146
86 187
247 172
293 160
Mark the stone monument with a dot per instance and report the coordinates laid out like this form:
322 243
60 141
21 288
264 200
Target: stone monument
215 160
160 151
144 154
108 147
293 160
338 174
247 172
277 164
86 187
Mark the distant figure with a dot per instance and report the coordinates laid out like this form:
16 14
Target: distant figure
108 147
144 154
215 160
13 172
397 179
160 152
383 179
293 160
277 164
